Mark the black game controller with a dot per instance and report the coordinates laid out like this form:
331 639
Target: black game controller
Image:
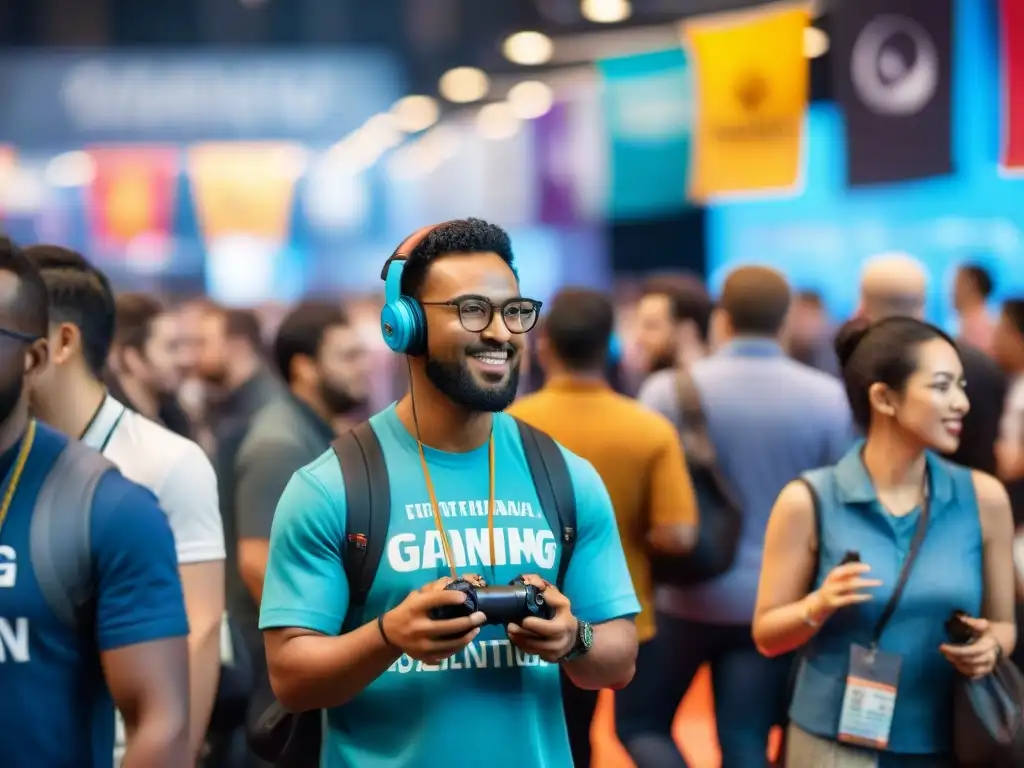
501 605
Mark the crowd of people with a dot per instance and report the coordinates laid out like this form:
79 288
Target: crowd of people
202 533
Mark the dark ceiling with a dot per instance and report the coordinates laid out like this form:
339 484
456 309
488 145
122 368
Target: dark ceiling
429 36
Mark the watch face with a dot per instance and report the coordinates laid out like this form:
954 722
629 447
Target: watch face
586 634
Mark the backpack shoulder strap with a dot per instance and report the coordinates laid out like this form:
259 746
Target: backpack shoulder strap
367 508
60 536
554 487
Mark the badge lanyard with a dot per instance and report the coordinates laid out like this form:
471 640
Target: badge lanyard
17 469
437 509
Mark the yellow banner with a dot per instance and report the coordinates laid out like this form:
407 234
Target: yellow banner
752 84
244 189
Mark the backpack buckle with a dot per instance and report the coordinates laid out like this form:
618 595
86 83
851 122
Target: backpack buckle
568 534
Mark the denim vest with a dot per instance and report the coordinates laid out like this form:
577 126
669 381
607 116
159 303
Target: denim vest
946 576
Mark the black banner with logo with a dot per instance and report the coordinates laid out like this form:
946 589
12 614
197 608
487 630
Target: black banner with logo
892 62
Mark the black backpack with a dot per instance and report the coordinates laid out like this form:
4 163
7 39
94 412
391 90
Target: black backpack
291 740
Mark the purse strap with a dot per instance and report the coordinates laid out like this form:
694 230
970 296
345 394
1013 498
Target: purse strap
697 444
908 564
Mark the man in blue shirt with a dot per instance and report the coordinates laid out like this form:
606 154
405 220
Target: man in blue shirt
61 679
399 690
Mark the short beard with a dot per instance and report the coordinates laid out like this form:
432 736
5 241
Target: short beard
338 401
455 382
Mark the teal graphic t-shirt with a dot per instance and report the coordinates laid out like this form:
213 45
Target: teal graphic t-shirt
489 705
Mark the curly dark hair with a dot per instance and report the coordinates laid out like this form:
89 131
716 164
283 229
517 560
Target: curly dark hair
458 236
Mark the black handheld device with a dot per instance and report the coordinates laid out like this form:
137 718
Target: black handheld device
957 630
501 605
851 556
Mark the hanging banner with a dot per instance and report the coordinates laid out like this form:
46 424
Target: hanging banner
1012 62
752 90
73 98
648 108
244 189
556 193
892 63
133 194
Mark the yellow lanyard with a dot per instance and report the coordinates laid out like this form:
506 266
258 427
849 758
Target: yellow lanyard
19 466
437 510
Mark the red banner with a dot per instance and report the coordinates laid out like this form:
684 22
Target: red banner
8 159
1012 34
132 194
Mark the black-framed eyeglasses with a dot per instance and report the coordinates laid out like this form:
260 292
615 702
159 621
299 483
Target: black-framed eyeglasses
476 312
25 338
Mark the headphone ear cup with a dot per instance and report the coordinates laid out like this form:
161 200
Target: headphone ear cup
417 327
401 325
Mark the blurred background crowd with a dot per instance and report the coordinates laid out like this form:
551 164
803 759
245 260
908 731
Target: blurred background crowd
222 160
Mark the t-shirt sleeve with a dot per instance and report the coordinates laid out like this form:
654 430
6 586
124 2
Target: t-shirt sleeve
597 581
264 470
189 497
670 491
658 393
305 585
138 590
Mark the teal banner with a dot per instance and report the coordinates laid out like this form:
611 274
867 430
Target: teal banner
648 109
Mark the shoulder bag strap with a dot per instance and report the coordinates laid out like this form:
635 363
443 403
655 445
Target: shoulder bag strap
695 437
554 487
908 564
367 508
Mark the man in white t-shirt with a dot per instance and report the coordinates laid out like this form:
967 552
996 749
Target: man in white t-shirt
71 397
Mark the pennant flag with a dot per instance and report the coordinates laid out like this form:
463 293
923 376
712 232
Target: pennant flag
1012 34
244 189
648 106
752 89
8 167
132 193
892 62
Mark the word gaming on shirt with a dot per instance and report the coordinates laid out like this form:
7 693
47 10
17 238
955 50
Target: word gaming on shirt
480 654
407 552
14 635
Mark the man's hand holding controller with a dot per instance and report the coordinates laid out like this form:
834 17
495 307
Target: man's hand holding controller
409 628
843 586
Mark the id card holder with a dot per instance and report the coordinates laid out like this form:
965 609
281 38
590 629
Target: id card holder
870 698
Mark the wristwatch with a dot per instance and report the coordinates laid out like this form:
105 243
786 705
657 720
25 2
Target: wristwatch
584 641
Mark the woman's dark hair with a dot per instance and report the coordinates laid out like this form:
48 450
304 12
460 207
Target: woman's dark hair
882 352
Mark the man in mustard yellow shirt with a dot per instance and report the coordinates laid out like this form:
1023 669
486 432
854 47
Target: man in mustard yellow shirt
635 451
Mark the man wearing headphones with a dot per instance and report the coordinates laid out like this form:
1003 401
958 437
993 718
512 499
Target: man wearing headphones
401 688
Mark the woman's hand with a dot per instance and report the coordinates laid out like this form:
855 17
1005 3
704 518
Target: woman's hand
843 586
977 658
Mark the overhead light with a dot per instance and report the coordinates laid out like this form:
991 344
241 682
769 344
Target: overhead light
497 121
383 127
463 85
530 99
72 169
528 48
606 11
415 113
816 42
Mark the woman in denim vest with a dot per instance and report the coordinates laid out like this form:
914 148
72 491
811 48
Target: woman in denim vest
874 686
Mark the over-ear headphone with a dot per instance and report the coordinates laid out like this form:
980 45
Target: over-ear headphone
614 349
402 321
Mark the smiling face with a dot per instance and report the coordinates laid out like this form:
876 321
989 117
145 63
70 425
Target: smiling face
478 370
934 400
